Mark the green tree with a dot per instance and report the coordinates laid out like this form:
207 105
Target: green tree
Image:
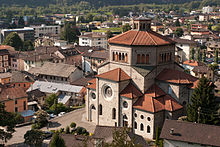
57 108
28 46
179 32
203 55
51 99
57 141
203 108
13 40
89 17
126 27
67 130
198 55
41 119
216 28
21 22
216 56
177 23
192 54
73 125
34 138
109 34
70 33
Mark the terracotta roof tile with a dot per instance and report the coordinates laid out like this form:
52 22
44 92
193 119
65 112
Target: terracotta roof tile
92 86
130 91
115 75
175 76
151 104
145 38
191 63
12 93
93 81
155 91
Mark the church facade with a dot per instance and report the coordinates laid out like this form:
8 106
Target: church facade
141 85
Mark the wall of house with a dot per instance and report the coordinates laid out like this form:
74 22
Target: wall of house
10 105
5 80
145 121
75 75
126 111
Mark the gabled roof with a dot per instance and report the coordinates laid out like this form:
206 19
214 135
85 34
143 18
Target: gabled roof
9 93
191 132
91 86
130 91
143 38
115 75
151 104
155 91
175 76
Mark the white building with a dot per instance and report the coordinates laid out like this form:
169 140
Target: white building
207 9
43 30
93 39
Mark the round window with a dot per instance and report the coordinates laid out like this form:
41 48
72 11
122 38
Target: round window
142 116
148 118
135 114
125 104
107 91
93 95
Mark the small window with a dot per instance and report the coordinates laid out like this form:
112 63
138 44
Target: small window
142 116
24 85
135 114
141 127
169 90
148 129
16 109
16 102
113 113
100 109
24 105
125 104
135 125
148 118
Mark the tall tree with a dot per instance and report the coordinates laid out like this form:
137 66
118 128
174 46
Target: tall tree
13 40
198 55
70 33
109 34
192 54
203 55
216 56
28 46
8 120
57 141
34 138
50 100
21 22
179 32
203 108
177 23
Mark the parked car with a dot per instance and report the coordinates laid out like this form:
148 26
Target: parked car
61 113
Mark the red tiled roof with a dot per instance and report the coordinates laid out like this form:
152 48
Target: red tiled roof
155 91
92 86
12 93
151 104
145 38
115 75
191 63
130 91
92 81
175 76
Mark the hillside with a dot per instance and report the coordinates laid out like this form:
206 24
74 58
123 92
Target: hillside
96 3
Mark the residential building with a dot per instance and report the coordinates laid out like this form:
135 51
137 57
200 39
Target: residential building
93 39
4 60
24 33
5 78
189 134
212 46
186 46
141 85
207 9
203 70
199 26
67 94
57 72
42 30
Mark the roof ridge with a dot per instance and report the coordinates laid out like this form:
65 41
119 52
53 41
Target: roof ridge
153 104
119 74
151 38
134 37
171 105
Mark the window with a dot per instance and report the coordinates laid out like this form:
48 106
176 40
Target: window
142 116
125 104
16 109
24 105
141 127
148 118
100 109
143 59
16 102
113 56
113 113
138 58
135 125
126 57
147 59
148 129
119 57
135 114
169 90
24 85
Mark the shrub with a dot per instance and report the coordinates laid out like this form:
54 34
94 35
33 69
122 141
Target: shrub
61 130
67 130
73 125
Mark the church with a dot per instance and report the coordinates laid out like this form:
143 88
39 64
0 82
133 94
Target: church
141 85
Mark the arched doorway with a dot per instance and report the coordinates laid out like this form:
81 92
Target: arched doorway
92 113
125 120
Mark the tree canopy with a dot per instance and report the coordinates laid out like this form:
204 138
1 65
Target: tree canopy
13 40
57 141
70 33
34 137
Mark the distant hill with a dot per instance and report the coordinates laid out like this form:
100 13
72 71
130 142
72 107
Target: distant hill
96 3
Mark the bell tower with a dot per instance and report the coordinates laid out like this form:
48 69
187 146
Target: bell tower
141 24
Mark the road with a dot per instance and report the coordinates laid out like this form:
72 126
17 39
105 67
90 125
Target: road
77 116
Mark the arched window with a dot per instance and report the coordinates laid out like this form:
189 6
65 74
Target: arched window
119 57
116 57
147 59
113 56
141 127
113 113
100 109
148 129
135 125
138 58
123 57
126 57
143 59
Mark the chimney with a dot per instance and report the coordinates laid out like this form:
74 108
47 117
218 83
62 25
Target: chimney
141 24
171 131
